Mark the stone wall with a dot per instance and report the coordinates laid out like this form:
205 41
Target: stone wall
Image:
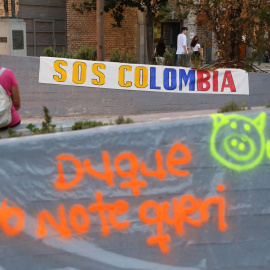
70 100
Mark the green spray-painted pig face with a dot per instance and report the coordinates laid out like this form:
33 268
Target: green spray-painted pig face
237 141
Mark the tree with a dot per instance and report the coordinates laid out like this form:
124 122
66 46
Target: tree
117 7
233 22
100 31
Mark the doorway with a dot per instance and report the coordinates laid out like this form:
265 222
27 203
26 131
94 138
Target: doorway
170 31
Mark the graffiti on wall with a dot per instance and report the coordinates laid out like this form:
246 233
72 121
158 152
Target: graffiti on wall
237 143
177 213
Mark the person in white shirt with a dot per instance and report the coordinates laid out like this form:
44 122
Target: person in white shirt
182 53
196 48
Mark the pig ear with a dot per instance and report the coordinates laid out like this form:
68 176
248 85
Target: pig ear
259 122
219 120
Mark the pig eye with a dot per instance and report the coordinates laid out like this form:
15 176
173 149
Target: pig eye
234 142
233 125
247 127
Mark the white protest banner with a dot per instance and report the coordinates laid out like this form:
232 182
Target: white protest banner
141 77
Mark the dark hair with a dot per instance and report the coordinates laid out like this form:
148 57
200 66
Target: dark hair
161 41
194 41
184 28
161 47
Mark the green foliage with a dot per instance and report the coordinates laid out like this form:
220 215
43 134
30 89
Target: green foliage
182 10
233 23
248 61
255 55
92 124
196 62
267 105
122 57
116 56
121 120
33 128
12 133
164 14
88 124
169 57
118 7
90 53
244 106
46 127
185 60
232 107
51 52
87 53
153 61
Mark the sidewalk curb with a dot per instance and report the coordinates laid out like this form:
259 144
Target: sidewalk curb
65 125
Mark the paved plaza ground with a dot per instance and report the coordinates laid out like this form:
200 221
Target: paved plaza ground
263 66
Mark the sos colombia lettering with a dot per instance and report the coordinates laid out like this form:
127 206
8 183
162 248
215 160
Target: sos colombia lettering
145 77
77 219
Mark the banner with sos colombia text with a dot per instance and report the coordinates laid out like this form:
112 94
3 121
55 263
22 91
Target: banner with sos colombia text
141 77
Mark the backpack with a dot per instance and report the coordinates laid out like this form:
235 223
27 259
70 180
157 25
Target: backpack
5 105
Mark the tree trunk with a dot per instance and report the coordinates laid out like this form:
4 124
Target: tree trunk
235 52
150 34
100 30
235 45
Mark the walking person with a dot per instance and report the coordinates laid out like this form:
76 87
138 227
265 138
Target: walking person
196 48
160 49
182 53
266 57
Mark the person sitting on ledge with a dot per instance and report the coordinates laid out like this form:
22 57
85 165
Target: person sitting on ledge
10 85
266 57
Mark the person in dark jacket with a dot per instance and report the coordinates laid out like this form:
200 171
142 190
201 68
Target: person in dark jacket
160 50
266 57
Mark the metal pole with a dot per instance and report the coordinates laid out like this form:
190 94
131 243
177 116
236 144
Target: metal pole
13 8
6 7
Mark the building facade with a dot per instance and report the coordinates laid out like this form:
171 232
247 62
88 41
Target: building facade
56 23
81 30
2 11
45 25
